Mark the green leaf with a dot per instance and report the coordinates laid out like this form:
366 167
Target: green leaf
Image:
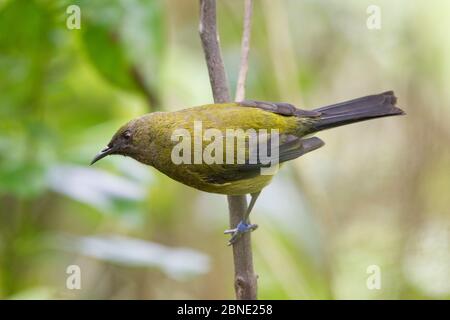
24 46
126 48
107 55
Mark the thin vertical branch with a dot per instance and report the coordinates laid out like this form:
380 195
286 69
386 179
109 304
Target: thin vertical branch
245 278
245 49
211 47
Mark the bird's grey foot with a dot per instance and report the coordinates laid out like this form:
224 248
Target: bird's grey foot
240 229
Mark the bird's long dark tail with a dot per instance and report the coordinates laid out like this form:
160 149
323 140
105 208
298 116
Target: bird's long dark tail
365 108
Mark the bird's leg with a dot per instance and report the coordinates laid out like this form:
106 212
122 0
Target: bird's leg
244 225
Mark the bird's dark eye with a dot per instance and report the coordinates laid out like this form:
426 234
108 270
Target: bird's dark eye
127 135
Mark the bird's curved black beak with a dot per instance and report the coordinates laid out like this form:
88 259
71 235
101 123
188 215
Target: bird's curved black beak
107 151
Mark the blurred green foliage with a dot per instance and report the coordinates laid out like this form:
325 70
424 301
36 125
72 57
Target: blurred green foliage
376 194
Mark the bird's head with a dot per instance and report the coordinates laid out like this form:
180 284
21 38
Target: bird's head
124 142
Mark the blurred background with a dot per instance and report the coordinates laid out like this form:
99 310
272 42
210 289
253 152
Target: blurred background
376 195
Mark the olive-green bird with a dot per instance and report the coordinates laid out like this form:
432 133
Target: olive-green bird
149 139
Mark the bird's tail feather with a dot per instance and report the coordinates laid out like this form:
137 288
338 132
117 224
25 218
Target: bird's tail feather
365 108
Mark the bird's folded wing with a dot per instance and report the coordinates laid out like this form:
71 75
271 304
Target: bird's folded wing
290 147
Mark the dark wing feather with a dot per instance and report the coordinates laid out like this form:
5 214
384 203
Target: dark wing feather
305 146
291 147
282 108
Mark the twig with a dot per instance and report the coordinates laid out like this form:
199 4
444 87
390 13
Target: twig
245 278
245 49
211 47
